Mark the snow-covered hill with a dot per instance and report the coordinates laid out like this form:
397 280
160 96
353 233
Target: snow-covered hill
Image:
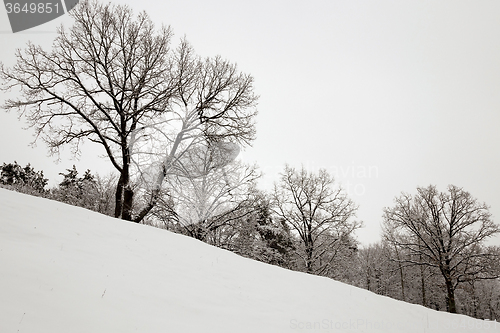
65 269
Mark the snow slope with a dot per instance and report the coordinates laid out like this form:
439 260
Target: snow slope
65 269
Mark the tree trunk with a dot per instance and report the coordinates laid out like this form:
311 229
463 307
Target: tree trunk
422 280
422 277
474 300
309 263
309 253
452 308
118 197
445 270
128 200
155 195
124 196
368 273
401 275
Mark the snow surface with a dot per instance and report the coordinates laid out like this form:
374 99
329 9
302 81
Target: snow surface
66 269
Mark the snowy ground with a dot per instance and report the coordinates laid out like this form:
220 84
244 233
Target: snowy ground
65 270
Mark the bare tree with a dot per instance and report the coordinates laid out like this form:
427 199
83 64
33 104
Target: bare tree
211 190
374 273
113 79
321 215
444 231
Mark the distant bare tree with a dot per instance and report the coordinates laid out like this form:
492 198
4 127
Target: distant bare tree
321 215
444 231
211 190
113 79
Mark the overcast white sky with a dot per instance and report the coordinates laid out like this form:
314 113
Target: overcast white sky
386 95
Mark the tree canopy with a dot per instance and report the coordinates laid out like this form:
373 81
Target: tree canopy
444 230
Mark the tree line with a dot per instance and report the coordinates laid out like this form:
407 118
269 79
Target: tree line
432 250
172 124
90 191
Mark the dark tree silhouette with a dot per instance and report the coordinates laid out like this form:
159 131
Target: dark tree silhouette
15 175
113 79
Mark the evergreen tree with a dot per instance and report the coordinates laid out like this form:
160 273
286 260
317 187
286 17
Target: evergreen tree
78 191
23 179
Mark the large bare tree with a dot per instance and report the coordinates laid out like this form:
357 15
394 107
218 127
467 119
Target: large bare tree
321 215
444 230
114 79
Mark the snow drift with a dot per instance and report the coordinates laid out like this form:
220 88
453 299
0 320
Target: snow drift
66 269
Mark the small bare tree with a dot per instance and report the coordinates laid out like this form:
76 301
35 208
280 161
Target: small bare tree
321 215
113 79
211 190
444 231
